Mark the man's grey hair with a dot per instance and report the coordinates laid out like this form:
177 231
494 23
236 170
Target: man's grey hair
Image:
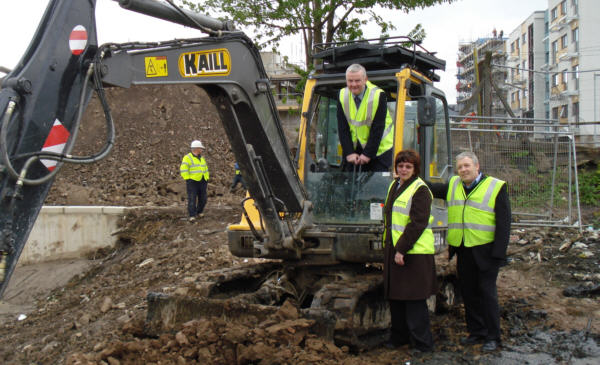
355 67
468 154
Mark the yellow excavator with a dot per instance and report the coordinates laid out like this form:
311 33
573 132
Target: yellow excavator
320 225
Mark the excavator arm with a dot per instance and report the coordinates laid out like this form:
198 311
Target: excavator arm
43 98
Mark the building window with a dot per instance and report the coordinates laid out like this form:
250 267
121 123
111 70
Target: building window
576 112
512 97
555 113
576 76
554 13
563 7
524 38
575 39
564 42
564 111
554 80
575 5
512 47
564 77
554 51
524 66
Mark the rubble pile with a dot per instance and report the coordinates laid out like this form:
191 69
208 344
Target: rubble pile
282 338
154 126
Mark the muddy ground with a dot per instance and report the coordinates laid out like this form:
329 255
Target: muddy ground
548 292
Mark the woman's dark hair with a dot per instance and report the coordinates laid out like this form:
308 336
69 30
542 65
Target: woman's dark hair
409 156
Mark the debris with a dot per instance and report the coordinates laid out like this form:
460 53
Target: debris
106 305
582 290
579 245
565 246
21 317
146 262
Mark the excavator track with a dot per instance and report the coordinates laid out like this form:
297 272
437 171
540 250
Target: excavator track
345 302
362 315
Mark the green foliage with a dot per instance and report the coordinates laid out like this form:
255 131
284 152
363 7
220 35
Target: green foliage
316 20
589 187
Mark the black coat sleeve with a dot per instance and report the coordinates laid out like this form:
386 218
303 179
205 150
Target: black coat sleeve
503 221
344 132
377 128
439 190
419 219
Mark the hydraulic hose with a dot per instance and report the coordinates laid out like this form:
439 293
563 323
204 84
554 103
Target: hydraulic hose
65 156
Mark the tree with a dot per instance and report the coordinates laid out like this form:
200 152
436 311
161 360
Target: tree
318 21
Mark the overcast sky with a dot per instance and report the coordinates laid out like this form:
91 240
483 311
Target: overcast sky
446 26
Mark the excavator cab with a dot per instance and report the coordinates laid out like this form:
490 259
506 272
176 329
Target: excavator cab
420 116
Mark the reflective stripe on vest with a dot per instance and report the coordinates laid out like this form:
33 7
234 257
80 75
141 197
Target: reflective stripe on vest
193 168
471 218
400 218
360 118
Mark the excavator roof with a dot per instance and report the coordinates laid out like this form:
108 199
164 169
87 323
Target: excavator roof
387 54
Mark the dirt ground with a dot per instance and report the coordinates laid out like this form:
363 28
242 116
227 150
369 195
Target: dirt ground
92 311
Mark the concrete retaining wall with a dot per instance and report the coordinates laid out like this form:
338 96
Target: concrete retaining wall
66 232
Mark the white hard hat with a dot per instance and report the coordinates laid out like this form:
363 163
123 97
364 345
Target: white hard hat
197 144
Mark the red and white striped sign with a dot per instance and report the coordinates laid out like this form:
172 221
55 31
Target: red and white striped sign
55 142
78 39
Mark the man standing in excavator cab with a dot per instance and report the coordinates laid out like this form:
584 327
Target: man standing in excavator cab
194 171
365 126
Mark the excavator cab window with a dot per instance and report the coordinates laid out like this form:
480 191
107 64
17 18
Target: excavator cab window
355 197
340 197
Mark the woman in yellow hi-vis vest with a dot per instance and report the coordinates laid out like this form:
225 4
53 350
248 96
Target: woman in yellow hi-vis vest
409 266
194 171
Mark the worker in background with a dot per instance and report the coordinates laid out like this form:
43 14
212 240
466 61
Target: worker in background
365 127
479 219
237 179
409 265
194 171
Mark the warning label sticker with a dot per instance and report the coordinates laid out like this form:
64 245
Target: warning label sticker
214 62
156 66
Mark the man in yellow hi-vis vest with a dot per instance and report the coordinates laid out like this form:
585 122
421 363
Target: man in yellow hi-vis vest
365 126
194 171
479 219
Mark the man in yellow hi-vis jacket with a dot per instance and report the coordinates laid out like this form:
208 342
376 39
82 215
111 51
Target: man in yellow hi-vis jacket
365 126
194 171
479 218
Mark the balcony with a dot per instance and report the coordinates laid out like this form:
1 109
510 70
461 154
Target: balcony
569 93
568 56
571 18
545 67
519 80
558 24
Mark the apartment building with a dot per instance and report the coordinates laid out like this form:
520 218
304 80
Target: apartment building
470 54
573 54
527 88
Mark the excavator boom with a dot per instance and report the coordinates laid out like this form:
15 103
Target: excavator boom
43 98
